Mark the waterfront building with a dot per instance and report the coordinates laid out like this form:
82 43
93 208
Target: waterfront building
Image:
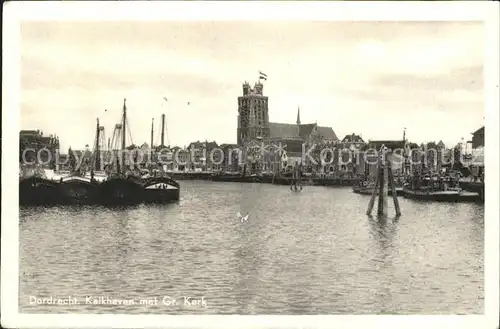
478 138
35 140
397 158
231 160
200 159
476 157
254 126
353 142
181 158
253 114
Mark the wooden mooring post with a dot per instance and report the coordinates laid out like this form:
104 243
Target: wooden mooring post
384 178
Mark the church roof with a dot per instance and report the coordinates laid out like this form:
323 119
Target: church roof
327 133
283 130
306 130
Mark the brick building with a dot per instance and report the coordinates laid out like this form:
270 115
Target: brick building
33 143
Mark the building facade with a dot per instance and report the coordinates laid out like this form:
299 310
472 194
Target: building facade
34 147
478 138
253 114
255 132
204 156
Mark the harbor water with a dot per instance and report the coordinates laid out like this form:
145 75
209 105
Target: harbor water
313 252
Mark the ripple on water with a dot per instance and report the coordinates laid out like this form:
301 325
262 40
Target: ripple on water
313 252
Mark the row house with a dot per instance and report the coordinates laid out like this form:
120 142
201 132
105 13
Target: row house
204 156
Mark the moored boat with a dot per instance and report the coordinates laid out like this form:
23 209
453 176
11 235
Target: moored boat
78 190
437 187
37 190
120 191
442 196
235 177
161 190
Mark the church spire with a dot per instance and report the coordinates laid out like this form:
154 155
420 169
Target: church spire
298 115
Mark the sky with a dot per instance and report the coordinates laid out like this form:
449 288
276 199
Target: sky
368 78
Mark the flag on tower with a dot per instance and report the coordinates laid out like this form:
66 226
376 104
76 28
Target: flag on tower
262 76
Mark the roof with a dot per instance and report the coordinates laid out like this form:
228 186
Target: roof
327 133
352 138
198 144
306 130
480 131
283 130
398 144
226 146
29 132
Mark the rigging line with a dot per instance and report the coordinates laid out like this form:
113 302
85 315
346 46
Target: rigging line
159 133
129 133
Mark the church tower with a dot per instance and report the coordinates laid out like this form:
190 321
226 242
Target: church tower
253 114
298 116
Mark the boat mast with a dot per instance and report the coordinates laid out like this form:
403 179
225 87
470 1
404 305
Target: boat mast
152 131
124 129
97 155
163 130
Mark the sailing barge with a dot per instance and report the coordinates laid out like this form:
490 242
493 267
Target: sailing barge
117 188
77 187
37 190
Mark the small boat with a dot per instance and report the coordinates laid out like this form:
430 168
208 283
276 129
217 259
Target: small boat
442 196
37 190
161 190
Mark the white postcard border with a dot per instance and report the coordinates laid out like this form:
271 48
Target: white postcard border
15 12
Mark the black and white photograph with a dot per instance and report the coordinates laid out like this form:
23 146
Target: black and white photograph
201 163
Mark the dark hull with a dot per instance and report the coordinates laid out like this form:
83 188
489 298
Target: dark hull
282 181
369 191
79 192
236 179
266 179
473 187
334 182
120 191
191 176
38 191
442 196
160 195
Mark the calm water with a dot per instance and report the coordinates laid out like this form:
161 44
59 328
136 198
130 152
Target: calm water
313 252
